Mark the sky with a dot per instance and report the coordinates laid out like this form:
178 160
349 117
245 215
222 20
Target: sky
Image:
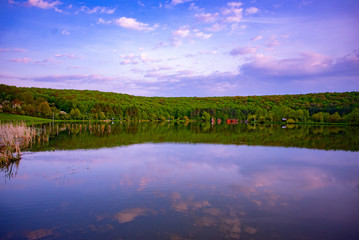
185 48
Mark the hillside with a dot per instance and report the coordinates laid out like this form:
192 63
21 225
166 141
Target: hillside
86 104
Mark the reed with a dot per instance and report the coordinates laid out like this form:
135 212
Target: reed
14 137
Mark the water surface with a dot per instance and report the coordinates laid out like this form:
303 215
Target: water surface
178 187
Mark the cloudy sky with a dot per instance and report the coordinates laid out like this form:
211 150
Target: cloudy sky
181 47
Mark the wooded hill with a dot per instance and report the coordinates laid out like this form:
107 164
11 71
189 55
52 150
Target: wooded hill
86 104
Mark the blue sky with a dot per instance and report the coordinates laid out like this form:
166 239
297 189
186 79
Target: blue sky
181 47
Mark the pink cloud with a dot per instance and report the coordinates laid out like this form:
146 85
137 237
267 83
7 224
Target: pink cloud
21 60
257 38
243 51
307 65
13 50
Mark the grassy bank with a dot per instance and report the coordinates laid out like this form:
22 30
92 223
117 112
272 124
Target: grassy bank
6 117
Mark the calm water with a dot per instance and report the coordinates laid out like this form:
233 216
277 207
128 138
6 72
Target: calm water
184 182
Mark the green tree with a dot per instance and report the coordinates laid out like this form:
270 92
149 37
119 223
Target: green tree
75 114
335 117
206 117
318 117
102 116
45 110
353 117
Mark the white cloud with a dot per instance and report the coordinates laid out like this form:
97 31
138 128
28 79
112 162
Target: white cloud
235 15
64 32
216 27
132 23
203 35
102 21
185 33
233 12
208 52
207 17
176 2
236 27
252 10
193 7
182 32
43 4
234 4
136 59
65 55
96 9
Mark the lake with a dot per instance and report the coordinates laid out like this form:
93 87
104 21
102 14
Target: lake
184 181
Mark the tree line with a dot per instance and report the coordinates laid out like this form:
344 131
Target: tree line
96 105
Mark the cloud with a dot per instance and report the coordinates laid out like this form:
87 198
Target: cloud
243 51
136 59
273 42
308 65
75 78
193 7
64 32
96 9
13 50
185 33
233 12
128 215
202 35
182 32
257 38
43 4
235 16
131 23
252 10
40 62
176 2
65 55
207 17
208 52
102 21
216 27
47 60
21 60
234 4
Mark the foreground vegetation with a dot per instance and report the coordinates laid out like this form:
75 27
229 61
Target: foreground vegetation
14 137
95 105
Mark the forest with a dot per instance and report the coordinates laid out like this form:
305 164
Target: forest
95 105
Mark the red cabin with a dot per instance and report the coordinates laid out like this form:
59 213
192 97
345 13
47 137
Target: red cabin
232 121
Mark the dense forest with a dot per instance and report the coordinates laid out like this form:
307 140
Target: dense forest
95 105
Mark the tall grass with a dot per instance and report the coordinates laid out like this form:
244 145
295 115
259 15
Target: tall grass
14 137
